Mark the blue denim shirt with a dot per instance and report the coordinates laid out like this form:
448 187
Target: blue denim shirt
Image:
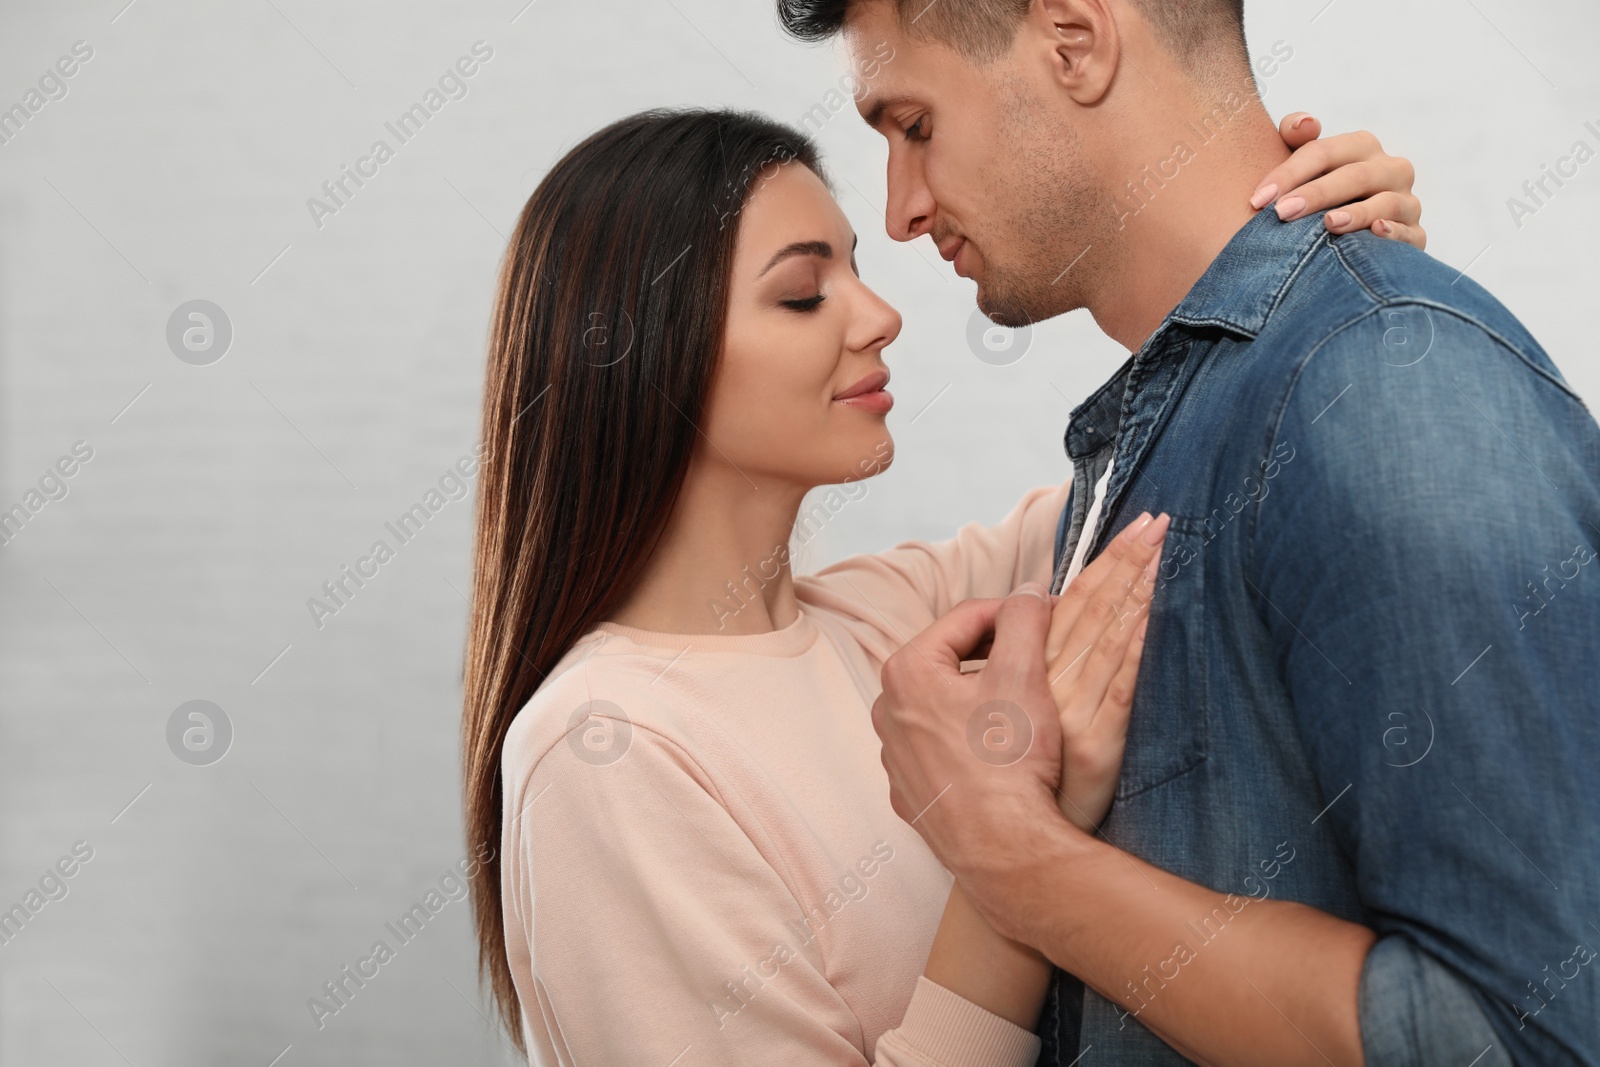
1372 677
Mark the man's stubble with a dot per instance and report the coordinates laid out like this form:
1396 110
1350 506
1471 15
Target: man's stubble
1056 218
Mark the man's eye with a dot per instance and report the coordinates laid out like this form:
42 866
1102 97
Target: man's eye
914 132
805 304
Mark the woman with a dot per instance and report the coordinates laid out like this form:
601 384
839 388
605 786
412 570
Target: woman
668 735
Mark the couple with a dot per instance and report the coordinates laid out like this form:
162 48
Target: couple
1333 517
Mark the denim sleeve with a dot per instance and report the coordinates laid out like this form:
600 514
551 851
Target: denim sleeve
1426 569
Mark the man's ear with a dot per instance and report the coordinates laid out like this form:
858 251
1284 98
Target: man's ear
1084 46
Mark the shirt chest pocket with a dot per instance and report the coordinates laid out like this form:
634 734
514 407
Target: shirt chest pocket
1168 730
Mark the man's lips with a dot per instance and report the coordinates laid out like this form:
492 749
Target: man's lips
951 250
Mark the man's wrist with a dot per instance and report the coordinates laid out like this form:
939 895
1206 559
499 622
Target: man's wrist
1018 894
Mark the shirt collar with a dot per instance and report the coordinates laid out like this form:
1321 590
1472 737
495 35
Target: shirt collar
1249 276
1237 292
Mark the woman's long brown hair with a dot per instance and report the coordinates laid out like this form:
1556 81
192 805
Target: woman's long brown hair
606 328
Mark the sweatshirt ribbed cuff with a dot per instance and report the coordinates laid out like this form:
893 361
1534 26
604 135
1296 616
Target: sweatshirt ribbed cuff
954 1032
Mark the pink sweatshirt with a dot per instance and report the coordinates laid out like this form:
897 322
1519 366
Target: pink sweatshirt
709 871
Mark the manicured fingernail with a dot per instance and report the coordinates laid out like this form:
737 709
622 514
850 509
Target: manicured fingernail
1264 195
1290 208
1382 228
1338 218
1299 122
1136 525
1033 589
1156 530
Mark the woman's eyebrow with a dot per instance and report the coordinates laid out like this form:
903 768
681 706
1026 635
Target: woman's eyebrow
799 248
805 248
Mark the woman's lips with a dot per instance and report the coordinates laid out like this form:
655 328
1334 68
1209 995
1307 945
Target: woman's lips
879 400
869 393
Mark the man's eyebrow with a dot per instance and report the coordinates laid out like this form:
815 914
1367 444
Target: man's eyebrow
874 114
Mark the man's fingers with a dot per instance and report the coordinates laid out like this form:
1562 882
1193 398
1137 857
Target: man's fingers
954 635
981 650
1020 625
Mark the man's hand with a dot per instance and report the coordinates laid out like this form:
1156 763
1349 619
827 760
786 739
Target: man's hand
974 760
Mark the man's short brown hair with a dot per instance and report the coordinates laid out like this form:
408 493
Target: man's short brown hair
1201 32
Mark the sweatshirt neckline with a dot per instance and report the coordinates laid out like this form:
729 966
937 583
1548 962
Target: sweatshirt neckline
790 640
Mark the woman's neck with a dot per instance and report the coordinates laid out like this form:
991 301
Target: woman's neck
722 566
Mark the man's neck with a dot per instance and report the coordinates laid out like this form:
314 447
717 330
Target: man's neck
1178 211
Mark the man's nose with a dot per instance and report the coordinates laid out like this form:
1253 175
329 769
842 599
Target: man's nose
909 211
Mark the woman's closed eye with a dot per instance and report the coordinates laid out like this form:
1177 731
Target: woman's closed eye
808 303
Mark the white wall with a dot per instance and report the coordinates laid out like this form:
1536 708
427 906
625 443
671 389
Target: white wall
179 564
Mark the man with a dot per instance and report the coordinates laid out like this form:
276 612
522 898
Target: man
1355 821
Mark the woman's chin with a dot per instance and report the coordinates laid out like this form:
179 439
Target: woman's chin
873 457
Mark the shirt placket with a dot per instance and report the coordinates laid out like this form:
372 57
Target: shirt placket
1120 420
